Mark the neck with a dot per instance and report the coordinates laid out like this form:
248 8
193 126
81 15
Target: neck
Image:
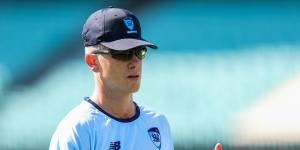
117 104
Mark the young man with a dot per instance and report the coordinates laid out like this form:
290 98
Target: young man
109 119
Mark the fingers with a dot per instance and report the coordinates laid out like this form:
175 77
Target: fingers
218 146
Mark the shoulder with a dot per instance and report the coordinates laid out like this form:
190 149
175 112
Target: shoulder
75 130
81 116
152 115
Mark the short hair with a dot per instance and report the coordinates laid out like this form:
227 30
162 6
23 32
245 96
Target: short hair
91 49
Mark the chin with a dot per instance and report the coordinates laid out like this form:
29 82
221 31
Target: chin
134 88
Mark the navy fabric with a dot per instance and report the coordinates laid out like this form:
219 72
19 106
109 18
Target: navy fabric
113 26
137 111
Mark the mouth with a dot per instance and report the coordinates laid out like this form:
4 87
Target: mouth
133 76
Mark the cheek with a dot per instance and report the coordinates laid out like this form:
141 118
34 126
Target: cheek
113 72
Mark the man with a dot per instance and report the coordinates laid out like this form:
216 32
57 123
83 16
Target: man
109 119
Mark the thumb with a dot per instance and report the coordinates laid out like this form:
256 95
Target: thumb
218 146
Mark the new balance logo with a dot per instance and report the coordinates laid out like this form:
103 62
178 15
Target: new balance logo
115 145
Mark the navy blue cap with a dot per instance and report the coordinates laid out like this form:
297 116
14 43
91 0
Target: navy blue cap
115 28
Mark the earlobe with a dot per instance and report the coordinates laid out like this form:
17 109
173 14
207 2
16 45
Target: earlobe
90 60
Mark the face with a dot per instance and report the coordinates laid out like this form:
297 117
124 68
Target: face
120 75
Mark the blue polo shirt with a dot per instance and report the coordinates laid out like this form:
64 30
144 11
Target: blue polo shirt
88 127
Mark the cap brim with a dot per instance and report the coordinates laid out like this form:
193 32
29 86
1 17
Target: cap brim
126 44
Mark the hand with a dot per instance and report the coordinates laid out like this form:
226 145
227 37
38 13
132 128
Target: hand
218 146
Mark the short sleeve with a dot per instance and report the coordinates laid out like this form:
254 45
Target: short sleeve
169 140
70 138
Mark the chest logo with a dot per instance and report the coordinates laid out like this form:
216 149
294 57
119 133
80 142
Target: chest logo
155 137
115 145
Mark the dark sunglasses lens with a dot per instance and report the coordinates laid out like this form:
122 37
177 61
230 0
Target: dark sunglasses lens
141 53
127 55
124 55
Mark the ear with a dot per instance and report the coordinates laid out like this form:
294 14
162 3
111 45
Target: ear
90 61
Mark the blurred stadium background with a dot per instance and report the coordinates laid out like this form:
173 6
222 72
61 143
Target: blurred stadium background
225 71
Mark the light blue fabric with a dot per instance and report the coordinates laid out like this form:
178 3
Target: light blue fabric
85 127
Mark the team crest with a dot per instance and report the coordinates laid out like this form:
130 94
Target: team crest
129 23
155 137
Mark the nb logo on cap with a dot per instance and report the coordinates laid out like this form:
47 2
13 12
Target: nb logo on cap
129 23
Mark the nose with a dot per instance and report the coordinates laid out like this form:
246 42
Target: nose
134 62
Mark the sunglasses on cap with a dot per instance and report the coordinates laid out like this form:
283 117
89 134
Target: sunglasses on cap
139 52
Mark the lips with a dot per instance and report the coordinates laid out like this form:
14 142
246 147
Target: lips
133 76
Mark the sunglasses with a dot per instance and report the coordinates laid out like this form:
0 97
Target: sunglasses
139 52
